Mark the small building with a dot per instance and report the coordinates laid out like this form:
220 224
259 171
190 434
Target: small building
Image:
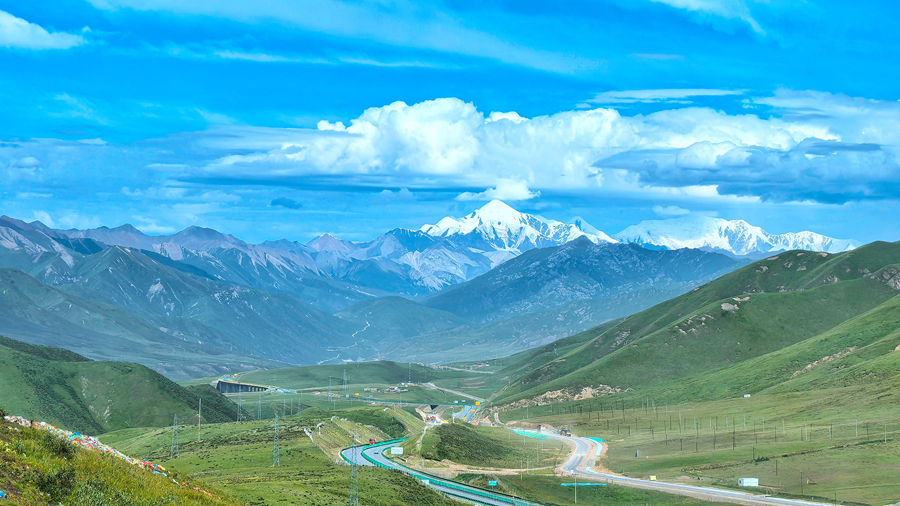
233 387
746 396
748 482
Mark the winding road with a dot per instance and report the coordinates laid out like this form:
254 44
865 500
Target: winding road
370 455
586 450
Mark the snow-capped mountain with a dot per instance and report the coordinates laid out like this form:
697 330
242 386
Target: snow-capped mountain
499 227
331 273
736 237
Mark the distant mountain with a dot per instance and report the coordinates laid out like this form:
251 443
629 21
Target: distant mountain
736 237
543 279
34 312
226 258
498 227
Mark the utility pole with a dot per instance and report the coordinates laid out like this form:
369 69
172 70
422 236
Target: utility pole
276 448
259 407
346 384
239 406
354 475
199 412
174 453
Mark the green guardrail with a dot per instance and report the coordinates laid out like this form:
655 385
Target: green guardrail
442 482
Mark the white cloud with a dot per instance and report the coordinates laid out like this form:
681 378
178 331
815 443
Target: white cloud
728 9
18 33
397 23
44 217
506 189
669 211
810 146
651 96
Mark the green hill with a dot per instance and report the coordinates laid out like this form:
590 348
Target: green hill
39 468
792 299
66 389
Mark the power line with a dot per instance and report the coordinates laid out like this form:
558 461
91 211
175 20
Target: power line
174 453
276 448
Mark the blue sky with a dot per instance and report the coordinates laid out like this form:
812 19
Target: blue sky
280 118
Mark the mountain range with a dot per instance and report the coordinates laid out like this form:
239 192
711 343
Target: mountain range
200 301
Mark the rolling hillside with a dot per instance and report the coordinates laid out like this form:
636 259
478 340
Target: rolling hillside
787 309
64 388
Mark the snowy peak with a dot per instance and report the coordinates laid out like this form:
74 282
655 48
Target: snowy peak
497 226
736 236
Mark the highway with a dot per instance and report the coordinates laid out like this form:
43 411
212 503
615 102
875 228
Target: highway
454 392
586 450
457 490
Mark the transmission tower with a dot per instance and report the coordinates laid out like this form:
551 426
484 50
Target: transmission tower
329 393
259 407
346 388
239 406
174 453
354 475
276 449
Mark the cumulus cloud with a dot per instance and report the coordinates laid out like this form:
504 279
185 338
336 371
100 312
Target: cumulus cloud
391 197
669 211
807 146
507 189
18 33
286 203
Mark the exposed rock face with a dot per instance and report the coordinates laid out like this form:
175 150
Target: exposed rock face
566 394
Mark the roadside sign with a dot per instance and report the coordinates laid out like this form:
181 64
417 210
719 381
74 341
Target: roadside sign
492 483
396 450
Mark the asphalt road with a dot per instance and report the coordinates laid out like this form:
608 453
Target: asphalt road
355 455
586 449
454 392
467 413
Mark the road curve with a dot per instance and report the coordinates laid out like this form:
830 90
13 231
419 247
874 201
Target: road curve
585 448
468 493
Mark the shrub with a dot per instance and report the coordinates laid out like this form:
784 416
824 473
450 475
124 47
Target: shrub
58 446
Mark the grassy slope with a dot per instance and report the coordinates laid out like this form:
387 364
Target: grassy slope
94 397
793 297
237 457
35 463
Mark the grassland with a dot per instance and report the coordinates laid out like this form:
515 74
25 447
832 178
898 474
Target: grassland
844 440
237 457
36 466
